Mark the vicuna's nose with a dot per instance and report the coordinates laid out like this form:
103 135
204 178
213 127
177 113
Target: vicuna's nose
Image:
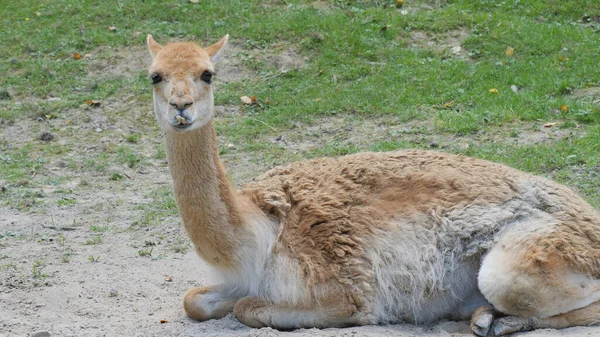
180 104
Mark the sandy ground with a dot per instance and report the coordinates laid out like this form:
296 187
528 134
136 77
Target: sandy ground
58 279
124 294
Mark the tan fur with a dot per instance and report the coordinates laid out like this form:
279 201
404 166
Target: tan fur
372 238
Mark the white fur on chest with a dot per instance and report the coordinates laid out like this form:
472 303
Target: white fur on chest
251 259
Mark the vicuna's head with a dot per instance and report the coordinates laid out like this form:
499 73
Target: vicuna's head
181 74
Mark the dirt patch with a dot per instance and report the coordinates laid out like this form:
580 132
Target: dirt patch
544 135
361 133
591 94
118 62
286 59
229 68
450 42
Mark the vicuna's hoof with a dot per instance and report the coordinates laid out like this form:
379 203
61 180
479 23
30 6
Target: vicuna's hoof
510 324
481 320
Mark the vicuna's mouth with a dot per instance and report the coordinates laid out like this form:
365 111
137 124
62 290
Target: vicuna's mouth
181 126
181 122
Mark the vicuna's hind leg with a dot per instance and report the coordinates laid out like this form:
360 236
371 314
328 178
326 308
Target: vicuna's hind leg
207 303
536 289
258 313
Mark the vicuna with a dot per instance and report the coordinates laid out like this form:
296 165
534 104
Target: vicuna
407 236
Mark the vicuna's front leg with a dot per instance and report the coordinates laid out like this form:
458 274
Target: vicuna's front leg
258 313
207 303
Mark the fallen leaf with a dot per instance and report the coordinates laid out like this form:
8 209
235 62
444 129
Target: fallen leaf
510 51
87 56
248 100
493 91
195 1
163 321
76 56
399 3
169 278
26 19
449 104
112 28
549 125
564 108
92 102
38 13
562 58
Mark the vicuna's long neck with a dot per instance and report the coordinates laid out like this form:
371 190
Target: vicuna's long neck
205 198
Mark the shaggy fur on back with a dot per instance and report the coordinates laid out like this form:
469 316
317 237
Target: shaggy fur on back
349 220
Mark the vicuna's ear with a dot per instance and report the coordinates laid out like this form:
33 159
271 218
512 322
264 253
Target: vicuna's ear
216 49
153 46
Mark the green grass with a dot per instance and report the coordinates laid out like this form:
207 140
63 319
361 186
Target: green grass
66 257
352 69
37 269
162 206
96 240
145 252
66 202
99 229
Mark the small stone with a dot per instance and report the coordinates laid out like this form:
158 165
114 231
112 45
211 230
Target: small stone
514 88
433 144
46 137
279 138
113 293
98 130
230 146
40 334
317 36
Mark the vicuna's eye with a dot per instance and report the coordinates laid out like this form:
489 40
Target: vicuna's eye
206 76
156 78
